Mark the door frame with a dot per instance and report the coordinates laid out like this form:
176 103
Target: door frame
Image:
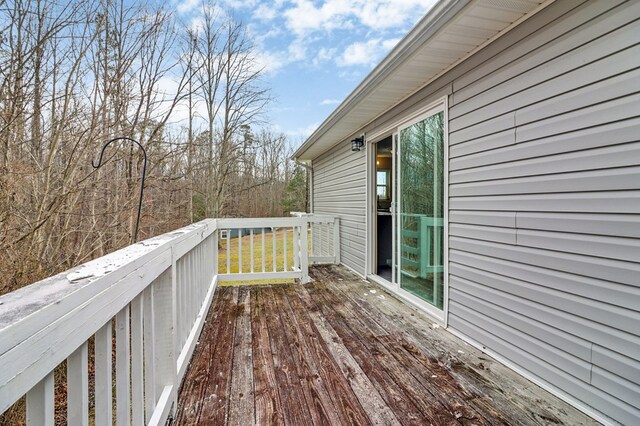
441 104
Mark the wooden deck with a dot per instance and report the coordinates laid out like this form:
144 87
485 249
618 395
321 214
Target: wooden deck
342 351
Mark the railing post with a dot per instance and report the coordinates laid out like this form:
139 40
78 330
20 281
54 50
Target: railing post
336 240
304 250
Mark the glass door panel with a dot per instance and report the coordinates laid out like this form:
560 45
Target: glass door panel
420 228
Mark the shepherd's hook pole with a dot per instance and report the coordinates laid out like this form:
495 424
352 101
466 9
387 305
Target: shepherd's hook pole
144 173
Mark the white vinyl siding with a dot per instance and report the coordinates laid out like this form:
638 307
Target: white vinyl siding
545 205
339 189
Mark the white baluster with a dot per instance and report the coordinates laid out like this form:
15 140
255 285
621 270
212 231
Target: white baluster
122 368
239 250
284 239
251 247
264 255
228 251
78 386
274 250
149 352
137 366
296 248
103 381
40 407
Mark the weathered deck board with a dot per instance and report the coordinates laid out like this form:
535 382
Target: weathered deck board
320 406
210 369
422 368
377 409
342 351
344 399
434 401
241 399
268 406
440 350
391 379
292 389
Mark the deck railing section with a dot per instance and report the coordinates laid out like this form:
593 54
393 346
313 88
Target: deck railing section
325 237
272 248
143 306
421 242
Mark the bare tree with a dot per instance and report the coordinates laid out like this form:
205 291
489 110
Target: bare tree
73 75
233 95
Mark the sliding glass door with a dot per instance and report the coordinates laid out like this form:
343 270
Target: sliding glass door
421 205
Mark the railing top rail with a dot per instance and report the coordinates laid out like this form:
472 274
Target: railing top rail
264 222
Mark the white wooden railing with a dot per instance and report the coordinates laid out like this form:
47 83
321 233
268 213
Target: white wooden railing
325 237
266 258
153 297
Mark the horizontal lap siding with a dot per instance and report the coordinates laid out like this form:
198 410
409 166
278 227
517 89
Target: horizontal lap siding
545 204
339 189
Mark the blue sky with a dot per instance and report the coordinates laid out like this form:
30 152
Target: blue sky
315 52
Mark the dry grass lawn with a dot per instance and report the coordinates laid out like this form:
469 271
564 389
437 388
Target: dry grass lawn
234 258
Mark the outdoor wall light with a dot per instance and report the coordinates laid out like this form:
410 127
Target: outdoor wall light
357 143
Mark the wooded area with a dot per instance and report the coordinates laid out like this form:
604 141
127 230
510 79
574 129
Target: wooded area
78 73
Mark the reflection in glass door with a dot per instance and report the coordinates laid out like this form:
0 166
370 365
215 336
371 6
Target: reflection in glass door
420 221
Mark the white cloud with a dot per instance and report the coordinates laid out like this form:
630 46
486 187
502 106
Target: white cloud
187 5
265 12
392 13
323 55
330 101
240 4
198 19
270 62
376 20
305 17
297 50
197 24
360 53
389 44
365 53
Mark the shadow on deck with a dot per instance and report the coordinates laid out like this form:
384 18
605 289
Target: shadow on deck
342 351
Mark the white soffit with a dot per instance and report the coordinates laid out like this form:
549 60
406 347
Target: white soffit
451 31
